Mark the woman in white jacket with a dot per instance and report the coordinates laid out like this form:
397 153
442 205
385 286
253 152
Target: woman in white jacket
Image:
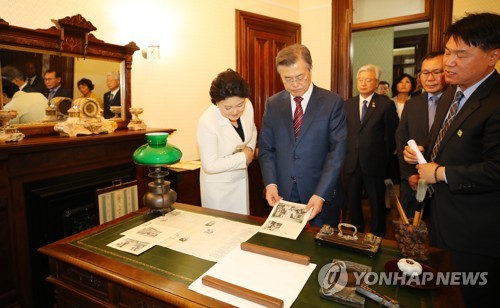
226 140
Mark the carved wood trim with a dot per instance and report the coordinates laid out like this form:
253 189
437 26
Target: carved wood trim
70 36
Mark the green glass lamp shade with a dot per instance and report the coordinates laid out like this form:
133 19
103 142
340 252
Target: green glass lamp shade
157 152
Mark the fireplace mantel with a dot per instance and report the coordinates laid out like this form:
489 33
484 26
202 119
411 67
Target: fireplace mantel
43 158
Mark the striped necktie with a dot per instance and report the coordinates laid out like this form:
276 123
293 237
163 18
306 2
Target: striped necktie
452 113
297 116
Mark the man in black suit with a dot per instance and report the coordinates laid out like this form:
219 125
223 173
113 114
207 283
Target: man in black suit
52 80
113 96
371 124
464 156
33 80
416 121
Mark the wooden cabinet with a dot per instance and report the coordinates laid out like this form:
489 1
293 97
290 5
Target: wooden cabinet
50 160
187 185
76 287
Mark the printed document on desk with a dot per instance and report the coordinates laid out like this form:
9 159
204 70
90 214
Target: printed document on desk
203 236
287 219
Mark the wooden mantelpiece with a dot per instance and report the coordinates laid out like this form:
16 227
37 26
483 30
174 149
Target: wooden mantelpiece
36 159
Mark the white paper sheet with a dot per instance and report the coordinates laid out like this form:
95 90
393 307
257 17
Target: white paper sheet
143 237
271 276
211 240
287 219
203 236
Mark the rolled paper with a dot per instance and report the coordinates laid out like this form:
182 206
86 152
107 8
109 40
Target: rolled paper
413 145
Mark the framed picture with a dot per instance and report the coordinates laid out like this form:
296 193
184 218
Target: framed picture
116 201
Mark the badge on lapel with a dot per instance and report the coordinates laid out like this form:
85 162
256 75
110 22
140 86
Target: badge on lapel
459 133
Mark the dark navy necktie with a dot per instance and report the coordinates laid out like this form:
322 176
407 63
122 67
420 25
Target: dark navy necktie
363 110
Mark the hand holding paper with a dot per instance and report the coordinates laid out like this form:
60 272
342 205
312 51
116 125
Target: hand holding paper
413 145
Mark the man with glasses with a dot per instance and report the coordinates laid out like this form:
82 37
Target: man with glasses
464 157
52 80
416 122
371 124
302 140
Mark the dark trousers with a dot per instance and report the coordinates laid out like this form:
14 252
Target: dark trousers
407 196
470 263
476 295
375 190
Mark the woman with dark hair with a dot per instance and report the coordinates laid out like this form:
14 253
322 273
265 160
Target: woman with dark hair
226 140
86 87
402 87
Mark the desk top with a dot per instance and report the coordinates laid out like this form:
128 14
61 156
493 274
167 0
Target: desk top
161 272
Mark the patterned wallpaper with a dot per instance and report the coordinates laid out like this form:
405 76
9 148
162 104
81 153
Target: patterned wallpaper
374 47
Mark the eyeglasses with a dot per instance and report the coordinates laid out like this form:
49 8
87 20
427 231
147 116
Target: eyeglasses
298 79
435 73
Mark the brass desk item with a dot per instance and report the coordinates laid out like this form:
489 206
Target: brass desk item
343 237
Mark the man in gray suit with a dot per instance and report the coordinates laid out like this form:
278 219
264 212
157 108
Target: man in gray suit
302 140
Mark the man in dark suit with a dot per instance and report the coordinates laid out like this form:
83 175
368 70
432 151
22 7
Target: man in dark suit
371 125
302 140
52 80
416 121
113 96
464 156
35 81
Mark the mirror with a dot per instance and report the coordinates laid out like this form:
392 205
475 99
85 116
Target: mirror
437 13
70 48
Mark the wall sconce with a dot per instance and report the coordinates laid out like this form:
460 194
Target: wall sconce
151 53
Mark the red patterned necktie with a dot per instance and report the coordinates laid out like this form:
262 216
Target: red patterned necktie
447 122
297 116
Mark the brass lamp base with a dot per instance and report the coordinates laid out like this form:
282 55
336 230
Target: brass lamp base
159 197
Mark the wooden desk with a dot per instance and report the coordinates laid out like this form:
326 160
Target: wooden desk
87 273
